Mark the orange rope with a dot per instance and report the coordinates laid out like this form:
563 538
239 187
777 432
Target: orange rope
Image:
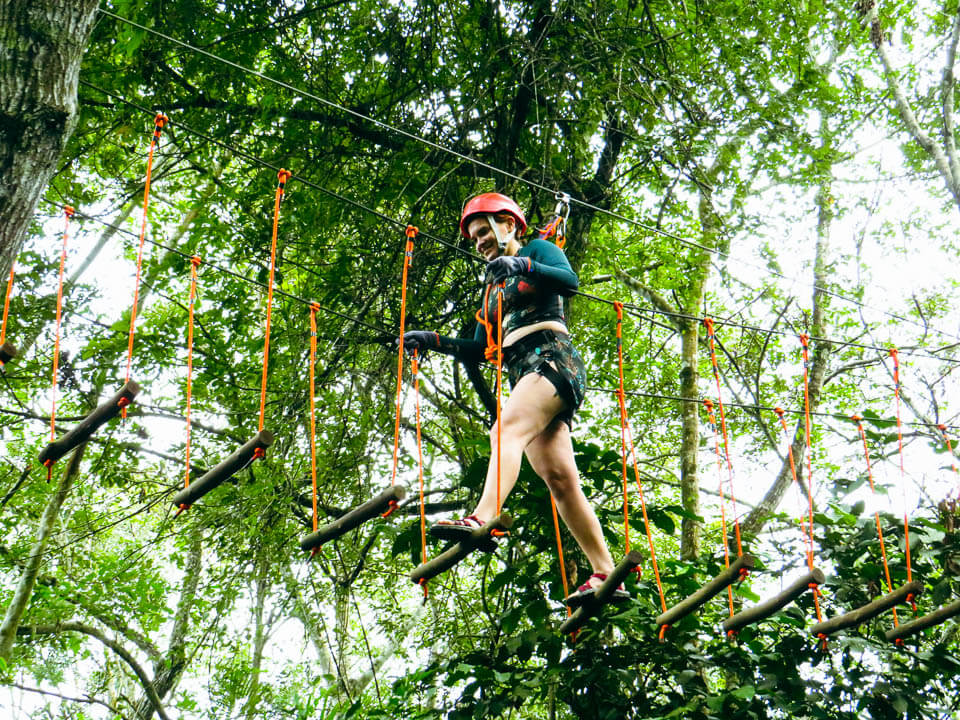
499 381
68 213
282 178
423 512
946 440
314 307
563 565
906 522
804 344
626 435
712 422
411 233
6 307
158 122
876 513
194 264
708 322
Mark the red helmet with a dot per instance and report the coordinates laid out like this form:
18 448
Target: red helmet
491 204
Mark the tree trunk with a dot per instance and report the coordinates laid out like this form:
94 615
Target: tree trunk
24 591
43 44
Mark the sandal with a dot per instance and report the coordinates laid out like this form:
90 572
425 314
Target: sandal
455 529
586 592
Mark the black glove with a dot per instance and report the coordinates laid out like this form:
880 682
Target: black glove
499 269
420 340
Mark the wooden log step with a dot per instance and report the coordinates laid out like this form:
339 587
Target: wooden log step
777 602
353 519
601 597
89 425
216 475
713 588
868 611
922 623
478 539
8 352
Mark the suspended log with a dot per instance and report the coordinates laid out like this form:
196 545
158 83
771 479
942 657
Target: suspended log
867 612
479 539
592 604
768 608
713 588
8 352
89 425
226 469
907 629
355 518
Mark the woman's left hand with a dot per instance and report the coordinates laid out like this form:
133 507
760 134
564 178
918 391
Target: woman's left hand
499 269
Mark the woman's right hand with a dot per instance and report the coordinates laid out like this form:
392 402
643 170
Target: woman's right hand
420 340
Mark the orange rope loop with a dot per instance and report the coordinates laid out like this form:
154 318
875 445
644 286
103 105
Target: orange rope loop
6 307
68 213
625 436
282 177
411 233
708 323
314 307
906 522
712 423
158 122
876 513
195 262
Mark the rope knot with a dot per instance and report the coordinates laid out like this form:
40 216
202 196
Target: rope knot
160 120
618 306
804 339
196 260
813 586
744 574
259 453
390 508
282 177
910 598
123 402
412 231
68 211
856 418
778 411
708 404
708 323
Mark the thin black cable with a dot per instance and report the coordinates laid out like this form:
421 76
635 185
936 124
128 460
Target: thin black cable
526 181
747 406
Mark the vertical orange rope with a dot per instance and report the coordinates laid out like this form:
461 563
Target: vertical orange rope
563 564
6 306
876 513
708 323
314 307
194 264
411 233
499 380
423 520
158 122
804 343
68 213
626 441
946 440
712 422
903 479
282 178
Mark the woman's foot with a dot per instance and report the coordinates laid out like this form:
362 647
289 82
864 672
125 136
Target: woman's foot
455 529
585 592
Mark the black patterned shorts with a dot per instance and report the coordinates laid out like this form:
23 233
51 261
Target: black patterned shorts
552 355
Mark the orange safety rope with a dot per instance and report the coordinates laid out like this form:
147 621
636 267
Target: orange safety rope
423 510
906 522
626 439
282 178
314 307
563 564
804 344
499 382
708 323
6 307
158 122
953 465
411 233
194 264
68 213
712 422
876 513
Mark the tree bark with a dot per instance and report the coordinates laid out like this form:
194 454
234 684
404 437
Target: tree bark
43 44
24 591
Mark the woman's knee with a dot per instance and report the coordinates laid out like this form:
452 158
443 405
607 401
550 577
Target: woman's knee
562 482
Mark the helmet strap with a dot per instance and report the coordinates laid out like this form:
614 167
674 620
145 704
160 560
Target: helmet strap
501 240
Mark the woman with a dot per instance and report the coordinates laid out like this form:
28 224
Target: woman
546 373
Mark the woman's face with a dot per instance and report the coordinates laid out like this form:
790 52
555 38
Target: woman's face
483 237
